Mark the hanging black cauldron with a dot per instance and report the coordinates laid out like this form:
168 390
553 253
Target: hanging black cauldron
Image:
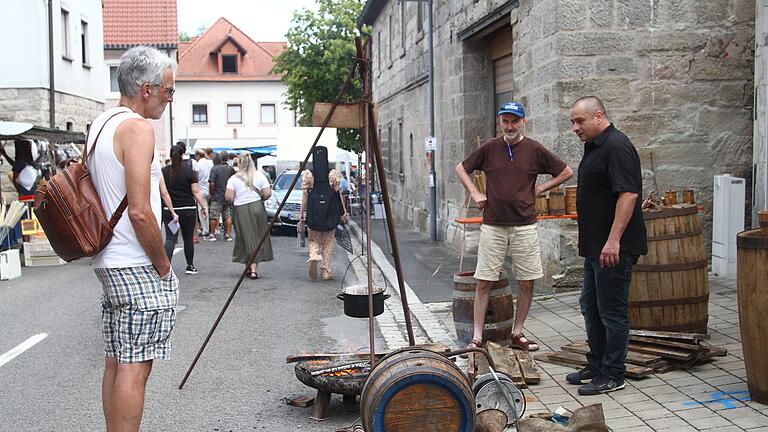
355 299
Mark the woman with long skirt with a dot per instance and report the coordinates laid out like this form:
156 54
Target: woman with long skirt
247 190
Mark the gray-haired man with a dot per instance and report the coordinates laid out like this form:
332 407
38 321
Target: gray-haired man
140 291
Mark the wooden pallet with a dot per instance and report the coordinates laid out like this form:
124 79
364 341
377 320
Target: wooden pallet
516 364
566 358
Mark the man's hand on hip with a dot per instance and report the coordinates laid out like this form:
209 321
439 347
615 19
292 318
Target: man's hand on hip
609 257
480 199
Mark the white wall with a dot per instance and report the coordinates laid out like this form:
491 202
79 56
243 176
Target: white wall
24 32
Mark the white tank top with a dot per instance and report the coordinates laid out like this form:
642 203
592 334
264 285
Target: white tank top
108 176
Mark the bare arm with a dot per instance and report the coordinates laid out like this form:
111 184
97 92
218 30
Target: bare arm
479 198
138 136
167 198
303 205
556 181
343 208
625 205
266 193
229 195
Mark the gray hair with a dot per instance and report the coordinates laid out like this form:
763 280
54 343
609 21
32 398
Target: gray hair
139 65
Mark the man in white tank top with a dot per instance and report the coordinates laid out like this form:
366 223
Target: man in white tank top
140 289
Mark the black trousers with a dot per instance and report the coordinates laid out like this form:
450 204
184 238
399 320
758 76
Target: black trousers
187 220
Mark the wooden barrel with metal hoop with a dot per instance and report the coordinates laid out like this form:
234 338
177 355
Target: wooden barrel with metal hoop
752 272
542 205
499 318
556 202
670 289
416 390
570 200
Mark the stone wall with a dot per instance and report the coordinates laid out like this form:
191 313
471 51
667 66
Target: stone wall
31 106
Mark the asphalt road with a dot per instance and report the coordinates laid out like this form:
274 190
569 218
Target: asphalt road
241 381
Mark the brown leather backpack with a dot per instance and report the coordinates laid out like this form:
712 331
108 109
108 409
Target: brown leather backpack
70 211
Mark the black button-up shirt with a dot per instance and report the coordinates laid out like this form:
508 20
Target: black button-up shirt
610 165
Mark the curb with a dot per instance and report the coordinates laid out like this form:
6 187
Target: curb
420 314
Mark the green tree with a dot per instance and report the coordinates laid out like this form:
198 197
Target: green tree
321 46
184 37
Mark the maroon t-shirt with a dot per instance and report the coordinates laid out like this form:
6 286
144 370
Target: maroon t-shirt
510 184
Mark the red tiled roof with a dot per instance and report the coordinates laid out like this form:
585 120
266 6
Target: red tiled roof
198 63
140 22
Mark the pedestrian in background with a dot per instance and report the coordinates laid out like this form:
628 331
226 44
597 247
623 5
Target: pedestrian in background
139 289
219 207
324 211
181 183
511 164
612 236
204 166
247 190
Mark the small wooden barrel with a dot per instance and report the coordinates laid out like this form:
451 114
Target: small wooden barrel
556 202
670 197
542 205
670 289
762 219
416 390
751 273
688 196
570 200
499 318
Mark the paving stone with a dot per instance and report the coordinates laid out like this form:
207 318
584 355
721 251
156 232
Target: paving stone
753 421
623 423
709 422
673 423
651 414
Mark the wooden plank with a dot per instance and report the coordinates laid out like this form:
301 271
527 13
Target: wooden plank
665 342
516 375
666 352
573 359
527 367
471 367
716 351
632 357
345 115
693 337
500 358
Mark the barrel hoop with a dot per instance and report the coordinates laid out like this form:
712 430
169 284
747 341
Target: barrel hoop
488 326
467 410
471 294
670 267
695 232
670 212
670 302
684 327
758 395
744 241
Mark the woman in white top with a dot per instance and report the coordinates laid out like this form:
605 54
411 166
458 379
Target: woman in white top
247 190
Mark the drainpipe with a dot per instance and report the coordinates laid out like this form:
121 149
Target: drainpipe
51 88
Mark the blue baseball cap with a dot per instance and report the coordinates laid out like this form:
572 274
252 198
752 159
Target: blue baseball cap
512 108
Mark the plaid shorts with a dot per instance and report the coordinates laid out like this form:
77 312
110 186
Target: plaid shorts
138 311
219 210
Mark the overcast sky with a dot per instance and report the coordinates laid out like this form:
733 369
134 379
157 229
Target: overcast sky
262 20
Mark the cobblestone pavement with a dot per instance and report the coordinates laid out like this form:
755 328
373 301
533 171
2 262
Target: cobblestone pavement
708 397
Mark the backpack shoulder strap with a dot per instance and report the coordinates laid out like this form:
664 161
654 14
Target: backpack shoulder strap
85 147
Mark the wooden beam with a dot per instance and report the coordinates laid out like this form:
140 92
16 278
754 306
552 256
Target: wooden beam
665 342
632 357
693 337
528 367
666 352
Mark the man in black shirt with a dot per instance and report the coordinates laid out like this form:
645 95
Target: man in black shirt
611 238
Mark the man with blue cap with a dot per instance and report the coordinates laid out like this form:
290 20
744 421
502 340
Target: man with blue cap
512 163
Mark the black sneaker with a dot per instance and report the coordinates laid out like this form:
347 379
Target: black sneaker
190 270
601 384
581 377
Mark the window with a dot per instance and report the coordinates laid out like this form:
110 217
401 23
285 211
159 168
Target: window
84 43
391 38
229 63
268 114
400 148
65 34
390 149
70 126
113 86
234 114
199 114
419 16
402 28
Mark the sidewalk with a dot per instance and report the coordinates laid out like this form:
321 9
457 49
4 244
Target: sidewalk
678 401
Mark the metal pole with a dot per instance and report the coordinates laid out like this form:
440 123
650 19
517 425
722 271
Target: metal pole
431 89
52 88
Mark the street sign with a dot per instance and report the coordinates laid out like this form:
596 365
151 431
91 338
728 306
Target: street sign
430 143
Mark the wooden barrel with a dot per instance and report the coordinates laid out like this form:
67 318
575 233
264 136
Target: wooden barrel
415 390
556 202
670 197
762 218
752 272
570 200
688 197
542 205
499 318
670 289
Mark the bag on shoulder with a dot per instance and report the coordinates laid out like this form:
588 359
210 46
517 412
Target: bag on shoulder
70 211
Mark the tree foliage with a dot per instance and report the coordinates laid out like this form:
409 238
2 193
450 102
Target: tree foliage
184 36
321 45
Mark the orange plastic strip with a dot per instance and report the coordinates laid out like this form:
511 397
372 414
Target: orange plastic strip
474 220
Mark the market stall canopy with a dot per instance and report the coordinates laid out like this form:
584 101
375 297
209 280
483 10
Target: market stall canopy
17 130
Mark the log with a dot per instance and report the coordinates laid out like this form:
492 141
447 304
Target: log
491 420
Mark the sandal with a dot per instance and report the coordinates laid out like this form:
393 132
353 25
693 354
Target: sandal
521 342
474 343
253 275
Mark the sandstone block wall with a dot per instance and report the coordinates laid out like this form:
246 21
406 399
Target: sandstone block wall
31 106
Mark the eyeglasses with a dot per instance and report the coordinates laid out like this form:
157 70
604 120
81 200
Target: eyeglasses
170 90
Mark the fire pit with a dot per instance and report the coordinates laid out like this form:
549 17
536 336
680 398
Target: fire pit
344 377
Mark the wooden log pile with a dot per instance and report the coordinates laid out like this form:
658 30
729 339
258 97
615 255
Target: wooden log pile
516 364
649 352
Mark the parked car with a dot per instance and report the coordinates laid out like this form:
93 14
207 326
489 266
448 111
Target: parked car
289 216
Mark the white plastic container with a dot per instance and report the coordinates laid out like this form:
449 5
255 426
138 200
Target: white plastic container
10 264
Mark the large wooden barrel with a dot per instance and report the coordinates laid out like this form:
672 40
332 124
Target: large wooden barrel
556 202
415 390
670 289
499 318
752 273
570 200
